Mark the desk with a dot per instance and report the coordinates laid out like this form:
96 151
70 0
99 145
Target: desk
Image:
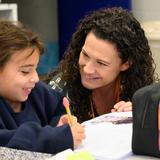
13 154
137 157
103 139
109 137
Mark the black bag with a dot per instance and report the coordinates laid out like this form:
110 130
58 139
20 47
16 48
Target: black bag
145 120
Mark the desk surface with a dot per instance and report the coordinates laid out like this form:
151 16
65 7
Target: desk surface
13 154
137 157
132 156
104 131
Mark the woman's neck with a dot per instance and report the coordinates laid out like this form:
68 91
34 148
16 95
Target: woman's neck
104 98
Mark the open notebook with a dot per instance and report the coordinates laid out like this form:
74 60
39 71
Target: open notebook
109 136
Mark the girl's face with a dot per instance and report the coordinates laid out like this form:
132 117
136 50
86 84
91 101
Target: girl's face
99 63
19 76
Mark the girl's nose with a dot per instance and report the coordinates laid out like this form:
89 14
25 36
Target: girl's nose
35 77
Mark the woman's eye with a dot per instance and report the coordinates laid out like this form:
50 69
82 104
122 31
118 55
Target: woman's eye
102 64
84 54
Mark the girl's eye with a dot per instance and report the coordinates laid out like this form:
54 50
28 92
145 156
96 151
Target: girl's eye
25 72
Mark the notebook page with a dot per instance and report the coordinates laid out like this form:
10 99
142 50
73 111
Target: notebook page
107 140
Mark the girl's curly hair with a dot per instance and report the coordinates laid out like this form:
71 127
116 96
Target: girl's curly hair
118 26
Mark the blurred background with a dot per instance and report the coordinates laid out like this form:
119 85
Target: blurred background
56 20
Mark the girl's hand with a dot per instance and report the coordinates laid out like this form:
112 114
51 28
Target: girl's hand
64 120
122 106
78 133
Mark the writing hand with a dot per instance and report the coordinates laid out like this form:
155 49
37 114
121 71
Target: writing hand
78 133
64 120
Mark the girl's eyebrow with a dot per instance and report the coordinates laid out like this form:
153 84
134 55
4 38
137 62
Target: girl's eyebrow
27 65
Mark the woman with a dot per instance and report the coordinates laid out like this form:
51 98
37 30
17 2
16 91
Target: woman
107 60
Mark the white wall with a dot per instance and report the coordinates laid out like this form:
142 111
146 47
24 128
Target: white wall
148 13
146 10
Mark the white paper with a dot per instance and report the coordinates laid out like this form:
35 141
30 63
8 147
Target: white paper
61 155
105 140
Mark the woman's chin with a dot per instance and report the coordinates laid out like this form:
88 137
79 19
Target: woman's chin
89 85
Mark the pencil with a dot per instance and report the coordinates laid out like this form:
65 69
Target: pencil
66 105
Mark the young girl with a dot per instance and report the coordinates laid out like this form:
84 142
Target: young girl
31 113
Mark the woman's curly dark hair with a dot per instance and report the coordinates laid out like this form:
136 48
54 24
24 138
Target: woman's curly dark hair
118 26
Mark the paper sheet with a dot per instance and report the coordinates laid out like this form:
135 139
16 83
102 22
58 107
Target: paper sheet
106 140
61 155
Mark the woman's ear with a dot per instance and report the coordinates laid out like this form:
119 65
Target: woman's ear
126 65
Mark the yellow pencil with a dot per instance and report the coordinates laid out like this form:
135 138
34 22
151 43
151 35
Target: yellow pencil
66 105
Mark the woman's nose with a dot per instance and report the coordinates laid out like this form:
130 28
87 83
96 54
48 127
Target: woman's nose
89 68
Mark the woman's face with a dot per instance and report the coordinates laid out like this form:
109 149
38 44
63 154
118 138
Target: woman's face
99 63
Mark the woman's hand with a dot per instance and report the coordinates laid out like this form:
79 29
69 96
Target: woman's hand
122 106
64 120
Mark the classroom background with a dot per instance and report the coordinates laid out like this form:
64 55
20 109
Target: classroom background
56 20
